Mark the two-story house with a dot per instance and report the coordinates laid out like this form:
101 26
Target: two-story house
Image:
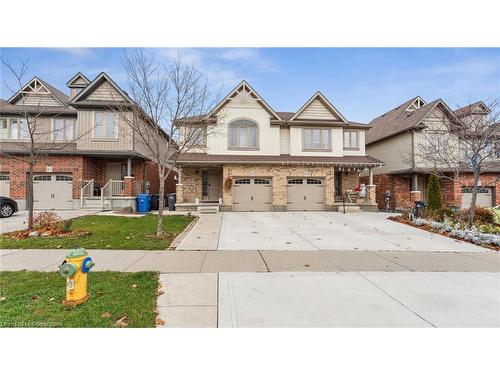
91 156
258 159
398 138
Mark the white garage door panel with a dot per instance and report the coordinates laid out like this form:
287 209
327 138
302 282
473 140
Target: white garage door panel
53 191
484 197
305 194
4 185
252 194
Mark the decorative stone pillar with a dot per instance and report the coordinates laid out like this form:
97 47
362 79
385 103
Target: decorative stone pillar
371 194
415 196
128 189
179 190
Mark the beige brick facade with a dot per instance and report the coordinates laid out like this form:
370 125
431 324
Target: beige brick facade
191 187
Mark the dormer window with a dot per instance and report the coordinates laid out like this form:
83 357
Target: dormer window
243 135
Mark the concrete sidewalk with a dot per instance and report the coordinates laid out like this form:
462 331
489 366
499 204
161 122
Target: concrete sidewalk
257 261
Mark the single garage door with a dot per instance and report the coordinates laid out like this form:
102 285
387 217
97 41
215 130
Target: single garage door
5 185
305 194
252 194
484 197
53 191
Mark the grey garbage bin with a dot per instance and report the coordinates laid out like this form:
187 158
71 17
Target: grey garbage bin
170 201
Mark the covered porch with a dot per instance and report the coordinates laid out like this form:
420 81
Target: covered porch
114 182
284 186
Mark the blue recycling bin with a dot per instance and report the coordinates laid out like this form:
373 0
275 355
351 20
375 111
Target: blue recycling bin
143 202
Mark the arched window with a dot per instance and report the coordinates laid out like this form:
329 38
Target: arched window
243 134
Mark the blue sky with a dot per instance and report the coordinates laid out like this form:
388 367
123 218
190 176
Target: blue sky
362 83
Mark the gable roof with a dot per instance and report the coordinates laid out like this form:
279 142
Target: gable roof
241 86
329 106
102 77
78 76
58 95
399 120
471 108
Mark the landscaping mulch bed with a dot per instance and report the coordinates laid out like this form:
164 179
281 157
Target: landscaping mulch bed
428 228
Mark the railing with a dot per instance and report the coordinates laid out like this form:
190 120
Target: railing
111 189
86 191
117 187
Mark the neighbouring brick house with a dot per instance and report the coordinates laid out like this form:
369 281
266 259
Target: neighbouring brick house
257 159
94 157
395 138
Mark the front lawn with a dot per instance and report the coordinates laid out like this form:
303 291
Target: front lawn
108 232
117 299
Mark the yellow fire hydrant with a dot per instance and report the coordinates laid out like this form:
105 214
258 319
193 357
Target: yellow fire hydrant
75 268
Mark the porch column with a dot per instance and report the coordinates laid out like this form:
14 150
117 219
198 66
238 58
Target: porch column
129 167
179 190
371 196
415 194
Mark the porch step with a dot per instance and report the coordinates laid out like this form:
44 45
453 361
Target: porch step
208 209
349 209
96 204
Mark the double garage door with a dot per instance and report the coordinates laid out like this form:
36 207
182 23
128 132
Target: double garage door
484 197
256 194
53 191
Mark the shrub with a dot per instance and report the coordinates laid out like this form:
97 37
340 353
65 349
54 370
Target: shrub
434 192
46 220
441 213
65 225
484 215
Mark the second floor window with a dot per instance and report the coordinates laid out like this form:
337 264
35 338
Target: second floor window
243 134
351 140
106 125
14 128
64 129
316 139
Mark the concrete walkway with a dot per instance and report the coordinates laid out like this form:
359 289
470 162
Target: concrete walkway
257 261
330 299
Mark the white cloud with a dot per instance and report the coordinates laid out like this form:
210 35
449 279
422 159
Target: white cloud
226 66
77 52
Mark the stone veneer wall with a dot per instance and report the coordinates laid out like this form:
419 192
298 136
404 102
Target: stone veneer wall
279 175
190 187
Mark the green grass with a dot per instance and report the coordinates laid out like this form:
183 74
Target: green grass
34 299
109 232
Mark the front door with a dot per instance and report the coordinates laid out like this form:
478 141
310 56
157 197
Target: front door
115 171
211 184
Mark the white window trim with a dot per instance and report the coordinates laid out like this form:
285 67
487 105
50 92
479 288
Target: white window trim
104 139
349 148
308 149
54 130
229 137
9 130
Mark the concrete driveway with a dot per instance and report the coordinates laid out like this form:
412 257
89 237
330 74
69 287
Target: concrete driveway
328 231
19 219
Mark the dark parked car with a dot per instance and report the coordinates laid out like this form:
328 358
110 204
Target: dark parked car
7 207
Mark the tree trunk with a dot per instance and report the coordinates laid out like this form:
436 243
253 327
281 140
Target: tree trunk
30 201
161 176
472 206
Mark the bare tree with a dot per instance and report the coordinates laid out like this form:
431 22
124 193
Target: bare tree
169 118
465 151
36 139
